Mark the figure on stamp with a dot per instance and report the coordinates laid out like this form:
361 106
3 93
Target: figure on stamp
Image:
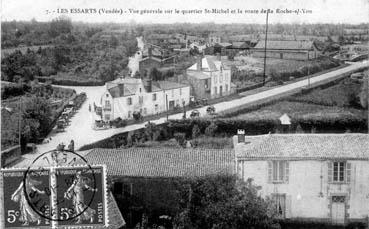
27 214
75 193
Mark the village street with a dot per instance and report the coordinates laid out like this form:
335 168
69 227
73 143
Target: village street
80 128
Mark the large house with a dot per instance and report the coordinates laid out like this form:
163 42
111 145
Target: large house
317 177
124 96
209 78
286 49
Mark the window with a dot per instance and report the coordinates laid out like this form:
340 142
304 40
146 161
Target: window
144 111
215 79
140 90
129 114
215 90
154 97
172 93
221 78
140 99
107 103
107 117
129 101
107 95
278 171
339 171
156 107
226 87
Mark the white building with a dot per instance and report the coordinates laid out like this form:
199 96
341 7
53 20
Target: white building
124 96
312 177
209 77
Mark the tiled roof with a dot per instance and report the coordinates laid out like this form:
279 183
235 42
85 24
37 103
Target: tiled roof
163 162
293 45
127 91
151 58
305 146
239 44
167 85
209 63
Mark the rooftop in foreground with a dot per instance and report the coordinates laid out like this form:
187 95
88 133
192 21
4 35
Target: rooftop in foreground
163 162
304 147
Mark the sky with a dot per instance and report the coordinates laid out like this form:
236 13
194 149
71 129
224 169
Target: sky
316 11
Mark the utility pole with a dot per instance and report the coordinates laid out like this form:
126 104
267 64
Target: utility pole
308 76
20 122
166 104
265 46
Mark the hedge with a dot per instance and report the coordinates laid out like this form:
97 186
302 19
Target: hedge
70 82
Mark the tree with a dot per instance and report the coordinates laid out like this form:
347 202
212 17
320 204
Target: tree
210 130
364 92
223 201
195 131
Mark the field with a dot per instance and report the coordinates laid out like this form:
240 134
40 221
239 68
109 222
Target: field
337 103
250 70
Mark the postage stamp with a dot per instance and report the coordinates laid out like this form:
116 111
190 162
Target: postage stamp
26 198
53 196
80 196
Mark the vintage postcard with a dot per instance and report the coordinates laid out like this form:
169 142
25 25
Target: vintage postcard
184 114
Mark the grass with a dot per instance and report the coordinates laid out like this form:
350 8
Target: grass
344 94
299 110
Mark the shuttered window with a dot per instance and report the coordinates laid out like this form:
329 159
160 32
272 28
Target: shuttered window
339 171
278 171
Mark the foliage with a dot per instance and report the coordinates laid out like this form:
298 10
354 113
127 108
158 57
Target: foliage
195 131
344 94
211 129
222 201
83 53
181 138
137 115
118 122
364 93
212 142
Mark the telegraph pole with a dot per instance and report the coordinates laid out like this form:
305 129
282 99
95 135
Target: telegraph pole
265 46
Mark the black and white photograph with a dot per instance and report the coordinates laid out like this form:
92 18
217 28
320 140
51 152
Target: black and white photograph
196 114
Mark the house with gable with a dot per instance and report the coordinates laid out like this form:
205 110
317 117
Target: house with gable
209 78
310 177
124 96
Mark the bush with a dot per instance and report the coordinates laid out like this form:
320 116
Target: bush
195 131
181 138
211 129
212 142
118 122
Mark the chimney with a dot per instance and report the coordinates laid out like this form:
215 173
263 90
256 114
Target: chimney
199 63
241 135
121 89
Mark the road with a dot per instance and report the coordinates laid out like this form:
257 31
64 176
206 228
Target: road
82 133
